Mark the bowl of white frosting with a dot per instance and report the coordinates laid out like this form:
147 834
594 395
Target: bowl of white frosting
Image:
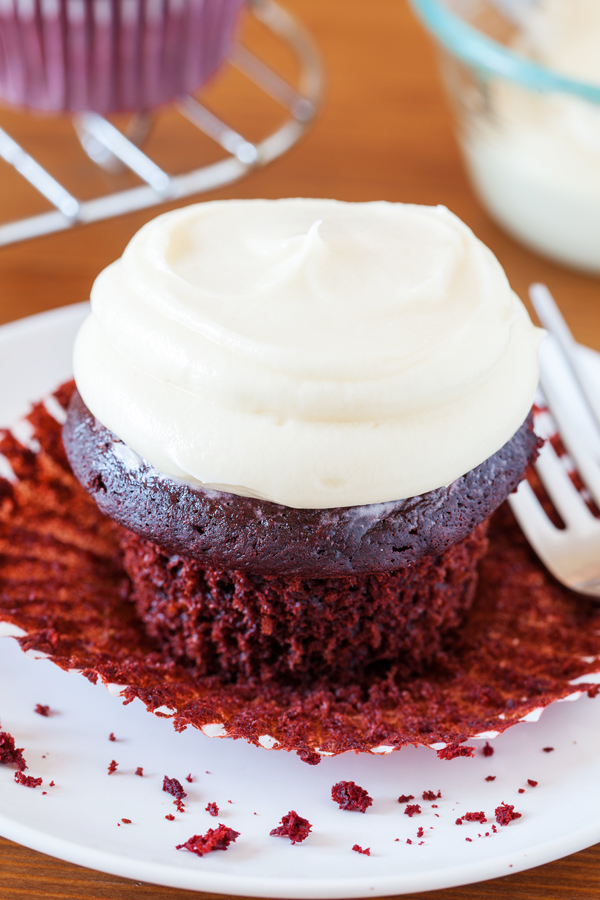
524 80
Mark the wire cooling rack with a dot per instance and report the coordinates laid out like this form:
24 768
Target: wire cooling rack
113 149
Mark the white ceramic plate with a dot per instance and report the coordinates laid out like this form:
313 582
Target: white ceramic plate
77 819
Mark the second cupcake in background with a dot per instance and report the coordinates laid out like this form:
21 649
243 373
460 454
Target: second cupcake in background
110 55
303 412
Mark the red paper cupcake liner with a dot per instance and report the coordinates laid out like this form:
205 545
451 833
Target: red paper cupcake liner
110 55
523 643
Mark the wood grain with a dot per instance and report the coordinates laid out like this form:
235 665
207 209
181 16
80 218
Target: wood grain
384 133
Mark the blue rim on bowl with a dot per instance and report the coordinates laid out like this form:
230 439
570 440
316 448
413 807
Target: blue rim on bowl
490 57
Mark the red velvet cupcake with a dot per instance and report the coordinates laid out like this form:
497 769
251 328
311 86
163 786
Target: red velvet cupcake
304 413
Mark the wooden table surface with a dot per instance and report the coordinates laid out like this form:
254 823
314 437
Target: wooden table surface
384 133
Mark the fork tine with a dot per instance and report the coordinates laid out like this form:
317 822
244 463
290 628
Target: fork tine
553 321
572 553
585 463
566 498
534 523
554 546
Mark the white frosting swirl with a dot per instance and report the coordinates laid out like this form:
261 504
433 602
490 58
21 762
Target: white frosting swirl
309 352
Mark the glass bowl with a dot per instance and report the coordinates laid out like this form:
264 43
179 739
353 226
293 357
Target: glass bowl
530 134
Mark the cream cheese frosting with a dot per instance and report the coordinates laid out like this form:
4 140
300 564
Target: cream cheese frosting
309 352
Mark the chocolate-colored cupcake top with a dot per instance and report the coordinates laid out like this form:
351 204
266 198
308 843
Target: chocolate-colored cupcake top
227 531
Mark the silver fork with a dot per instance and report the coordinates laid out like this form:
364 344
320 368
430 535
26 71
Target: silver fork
570 382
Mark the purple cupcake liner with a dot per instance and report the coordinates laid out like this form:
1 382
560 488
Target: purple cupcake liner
110 55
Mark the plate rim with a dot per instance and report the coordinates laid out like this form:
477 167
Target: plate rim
311 889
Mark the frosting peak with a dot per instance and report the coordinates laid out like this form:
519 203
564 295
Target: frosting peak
309 352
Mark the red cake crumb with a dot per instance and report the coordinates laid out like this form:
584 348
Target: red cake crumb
475 817
9 754
420 832
42 710
213 809
111 737
367 851
412 810
470 840
215 839
52 784
294 827
179 806
309 757
139 771
189 778
112 767
458 821
505 814
170 817
434 806
487 750
44 793
349 795
173 787
453 751
548 749
532 783
408 841
404 798
491 778
431 795
126 821
27 780
521 790
421 843
494 829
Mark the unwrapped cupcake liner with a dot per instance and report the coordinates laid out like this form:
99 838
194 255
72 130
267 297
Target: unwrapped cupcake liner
525 643
110 55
